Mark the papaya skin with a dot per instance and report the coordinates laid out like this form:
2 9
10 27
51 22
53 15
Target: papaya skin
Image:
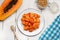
3 15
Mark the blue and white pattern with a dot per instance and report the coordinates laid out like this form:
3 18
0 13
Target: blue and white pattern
53 32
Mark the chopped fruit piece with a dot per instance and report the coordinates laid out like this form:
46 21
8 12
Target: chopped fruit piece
26 27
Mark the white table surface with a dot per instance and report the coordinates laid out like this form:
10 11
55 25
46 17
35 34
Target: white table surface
6 34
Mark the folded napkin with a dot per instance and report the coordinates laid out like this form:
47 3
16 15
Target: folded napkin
53 31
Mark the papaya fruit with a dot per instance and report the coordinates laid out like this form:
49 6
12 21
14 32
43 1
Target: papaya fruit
8 7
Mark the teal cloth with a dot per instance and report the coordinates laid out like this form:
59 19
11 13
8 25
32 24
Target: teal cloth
53 32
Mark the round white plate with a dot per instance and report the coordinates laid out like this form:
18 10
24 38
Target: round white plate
35 32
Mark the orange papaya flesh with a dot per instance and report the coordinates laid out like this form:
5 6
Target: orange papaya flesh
5 3
10 11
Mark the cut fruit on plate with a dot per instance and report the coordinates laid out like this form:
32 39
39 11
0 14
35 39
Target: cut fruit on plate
8 7
30 21
21 26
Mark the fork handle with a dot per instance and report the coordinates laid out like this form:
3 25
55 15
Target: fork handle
15 37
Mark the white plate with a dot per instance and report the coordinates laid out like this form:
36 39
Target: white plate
35 32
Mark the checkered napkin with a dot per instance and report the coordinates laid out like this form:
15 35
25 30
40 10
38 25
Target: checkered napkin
53 31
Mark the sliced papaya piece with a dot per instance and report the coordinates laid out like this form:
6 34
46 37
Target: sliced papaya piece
8 7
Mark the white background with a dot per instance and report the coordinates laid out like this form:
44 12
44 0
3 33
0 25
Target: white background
7 34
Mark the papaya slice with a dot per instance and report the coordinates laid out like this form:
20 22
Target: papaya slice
8 7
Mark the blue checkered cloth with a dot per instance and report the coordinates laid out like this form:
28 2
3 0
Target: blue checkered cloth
52 32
